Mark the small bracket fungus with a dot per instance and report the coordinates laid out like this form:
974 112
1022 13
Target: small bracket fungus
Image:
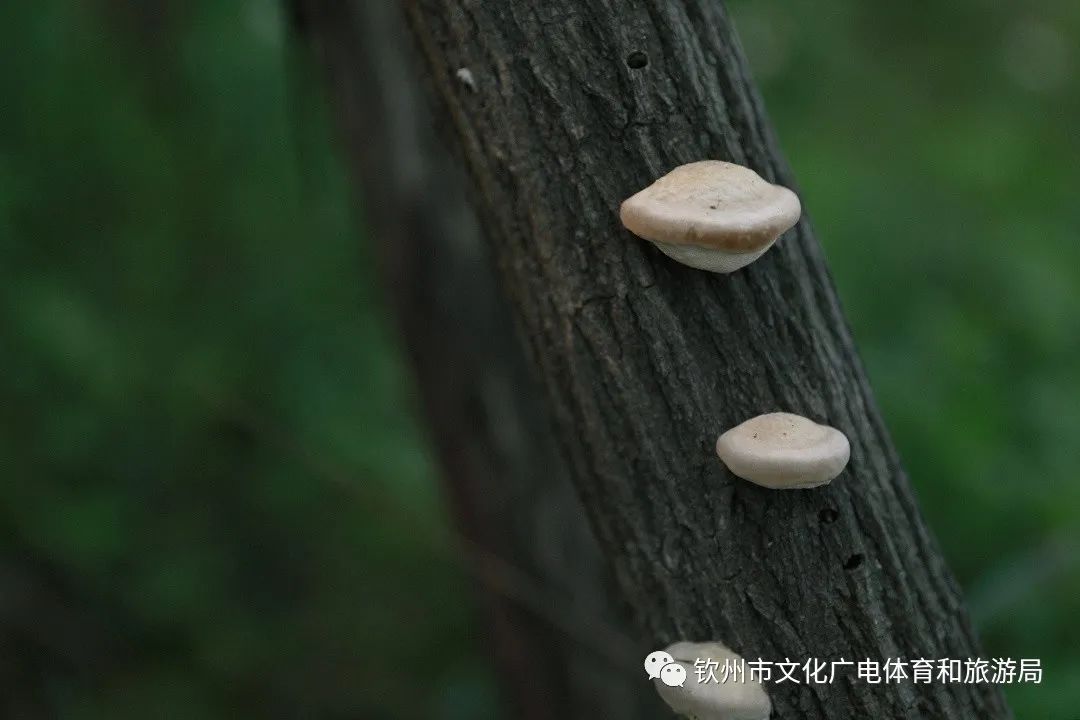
466 78
712 215
712 695
781 450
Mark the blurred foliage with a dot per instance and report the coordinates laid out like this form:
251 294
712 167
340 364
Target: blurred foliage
204 410
207 435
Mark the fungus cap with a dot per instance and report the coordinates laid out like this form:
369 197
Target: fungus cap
712 215
722 696
782 450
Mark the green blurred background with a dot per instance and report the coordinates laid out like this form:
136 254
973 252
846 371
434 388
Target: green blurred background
204 406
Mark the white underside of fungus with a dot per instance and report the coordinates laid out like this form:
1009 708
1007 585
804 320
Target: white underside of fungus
703 258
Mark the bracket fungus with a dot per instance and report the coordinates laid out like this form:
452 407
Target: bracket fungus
712 215
782 450
715 695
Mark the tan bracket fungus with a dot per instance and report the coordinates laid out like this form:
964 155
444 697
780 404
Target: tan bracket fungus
782 450
719 696
712 215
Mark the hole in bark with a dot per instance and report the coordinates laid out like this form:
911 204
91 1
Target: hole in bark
637 60
828 515
854 561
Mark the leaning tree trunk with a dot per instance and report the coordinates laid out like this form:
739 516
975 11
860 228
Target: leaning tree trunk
559 634
563 108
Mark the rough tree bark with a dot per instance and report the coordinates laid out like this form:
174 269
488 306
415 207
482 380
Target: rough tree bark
566 108
545 591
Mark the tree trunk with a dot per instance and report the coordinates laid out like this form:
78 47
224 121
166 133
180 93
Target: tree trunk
545 590
562 109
